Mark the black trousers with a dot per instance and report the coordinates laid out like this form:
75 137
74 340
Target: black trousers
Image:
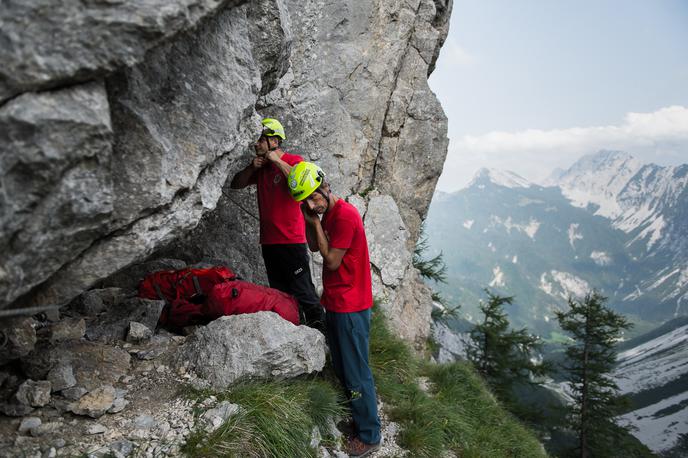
288 269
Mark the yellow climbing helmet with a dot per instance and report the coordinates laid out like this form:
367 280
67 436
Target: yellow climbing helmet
304 178
273 128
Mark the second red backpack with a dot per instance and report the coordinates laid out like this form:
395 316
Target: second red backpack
237 297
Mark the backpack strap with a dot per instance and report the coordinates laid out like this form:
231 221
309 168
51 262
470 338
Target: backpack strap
197 285
168 307
158 291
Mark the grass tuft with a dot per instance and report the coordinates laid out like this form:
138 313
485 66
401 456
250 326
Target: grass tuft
276 420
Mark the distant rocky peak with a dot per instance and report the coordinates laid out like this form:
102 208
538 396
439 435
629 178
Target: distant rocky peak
598 164
503 178
644 199
598 179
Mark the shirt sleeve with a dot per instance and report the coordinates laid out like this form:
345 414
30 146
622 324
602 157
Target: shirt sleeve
292 159
342 233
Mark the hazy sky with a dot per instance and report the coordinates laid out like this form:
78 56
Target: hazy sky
530 85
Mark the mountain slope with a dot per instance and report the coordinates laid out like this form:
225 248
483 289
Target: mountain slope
654 374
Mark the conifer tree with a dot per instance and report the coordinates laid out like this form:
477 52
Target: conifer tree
503 357
431 269
590 359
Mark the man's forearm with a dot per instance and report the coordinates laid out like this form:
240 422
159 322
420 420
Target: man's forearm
320 241
242 178
283 166
332 257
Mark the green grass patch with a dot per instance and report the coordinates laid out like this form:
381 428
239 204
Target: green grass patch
276 420
459 413
475 423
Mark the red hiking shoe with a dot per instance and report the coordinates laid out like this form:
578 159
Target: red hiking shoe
359 449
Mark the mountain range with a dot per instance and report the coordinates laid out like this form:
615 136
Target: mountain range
608 223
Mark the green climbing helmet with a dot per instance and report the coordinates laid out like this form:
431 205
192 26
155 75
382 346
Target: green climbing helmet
304 178
273 128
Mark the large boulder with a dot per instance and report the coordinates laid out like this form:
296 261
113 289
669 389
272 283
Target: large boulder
36 394
256 345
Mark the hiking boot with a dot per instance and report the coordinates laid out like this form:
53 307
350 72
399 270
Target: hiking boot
360 449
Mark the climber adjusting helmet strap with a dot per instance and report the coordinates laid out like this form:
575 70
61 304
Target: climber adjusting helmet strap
273 128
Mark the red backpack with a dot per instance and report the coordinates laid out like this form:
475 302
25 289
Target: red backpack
184 292
197 296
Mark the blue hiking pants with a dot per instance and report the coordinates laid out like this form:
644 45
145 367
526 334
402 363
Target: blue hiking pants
348 336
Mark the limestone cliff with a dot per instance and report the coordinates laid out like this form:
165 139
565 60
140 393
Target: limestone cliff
120 123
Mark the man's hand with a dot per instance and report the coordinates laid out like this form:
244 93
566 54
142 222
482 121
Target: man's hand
272 156
258 162
310 216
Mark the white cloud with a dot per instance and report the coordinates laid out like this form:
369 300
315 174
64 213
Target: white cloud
665 125
660 136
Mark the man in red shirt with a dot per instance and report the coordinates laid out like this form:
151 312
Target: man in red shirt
347 296
282 228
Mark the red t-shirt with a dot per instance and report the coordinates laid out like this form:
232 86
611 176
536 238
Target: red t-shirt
281 220
349 288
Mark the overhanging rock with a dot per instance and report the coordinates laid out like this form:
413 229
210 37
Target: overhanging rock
48 43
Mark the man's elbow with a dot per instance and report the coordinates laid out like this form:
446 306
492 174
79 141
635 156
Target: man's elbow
333 264
239 182
236 183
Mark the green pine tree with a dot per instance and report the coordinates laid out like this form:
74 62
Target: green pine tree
502 356
431 269
591 356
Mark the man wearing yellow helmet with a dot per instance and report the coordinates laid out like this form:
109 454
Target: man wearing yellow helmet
347 294
282 228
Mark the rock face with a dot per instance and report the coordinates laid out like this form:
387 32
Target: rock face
387 237
56 152
78 41
452 346
269 347
120 123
